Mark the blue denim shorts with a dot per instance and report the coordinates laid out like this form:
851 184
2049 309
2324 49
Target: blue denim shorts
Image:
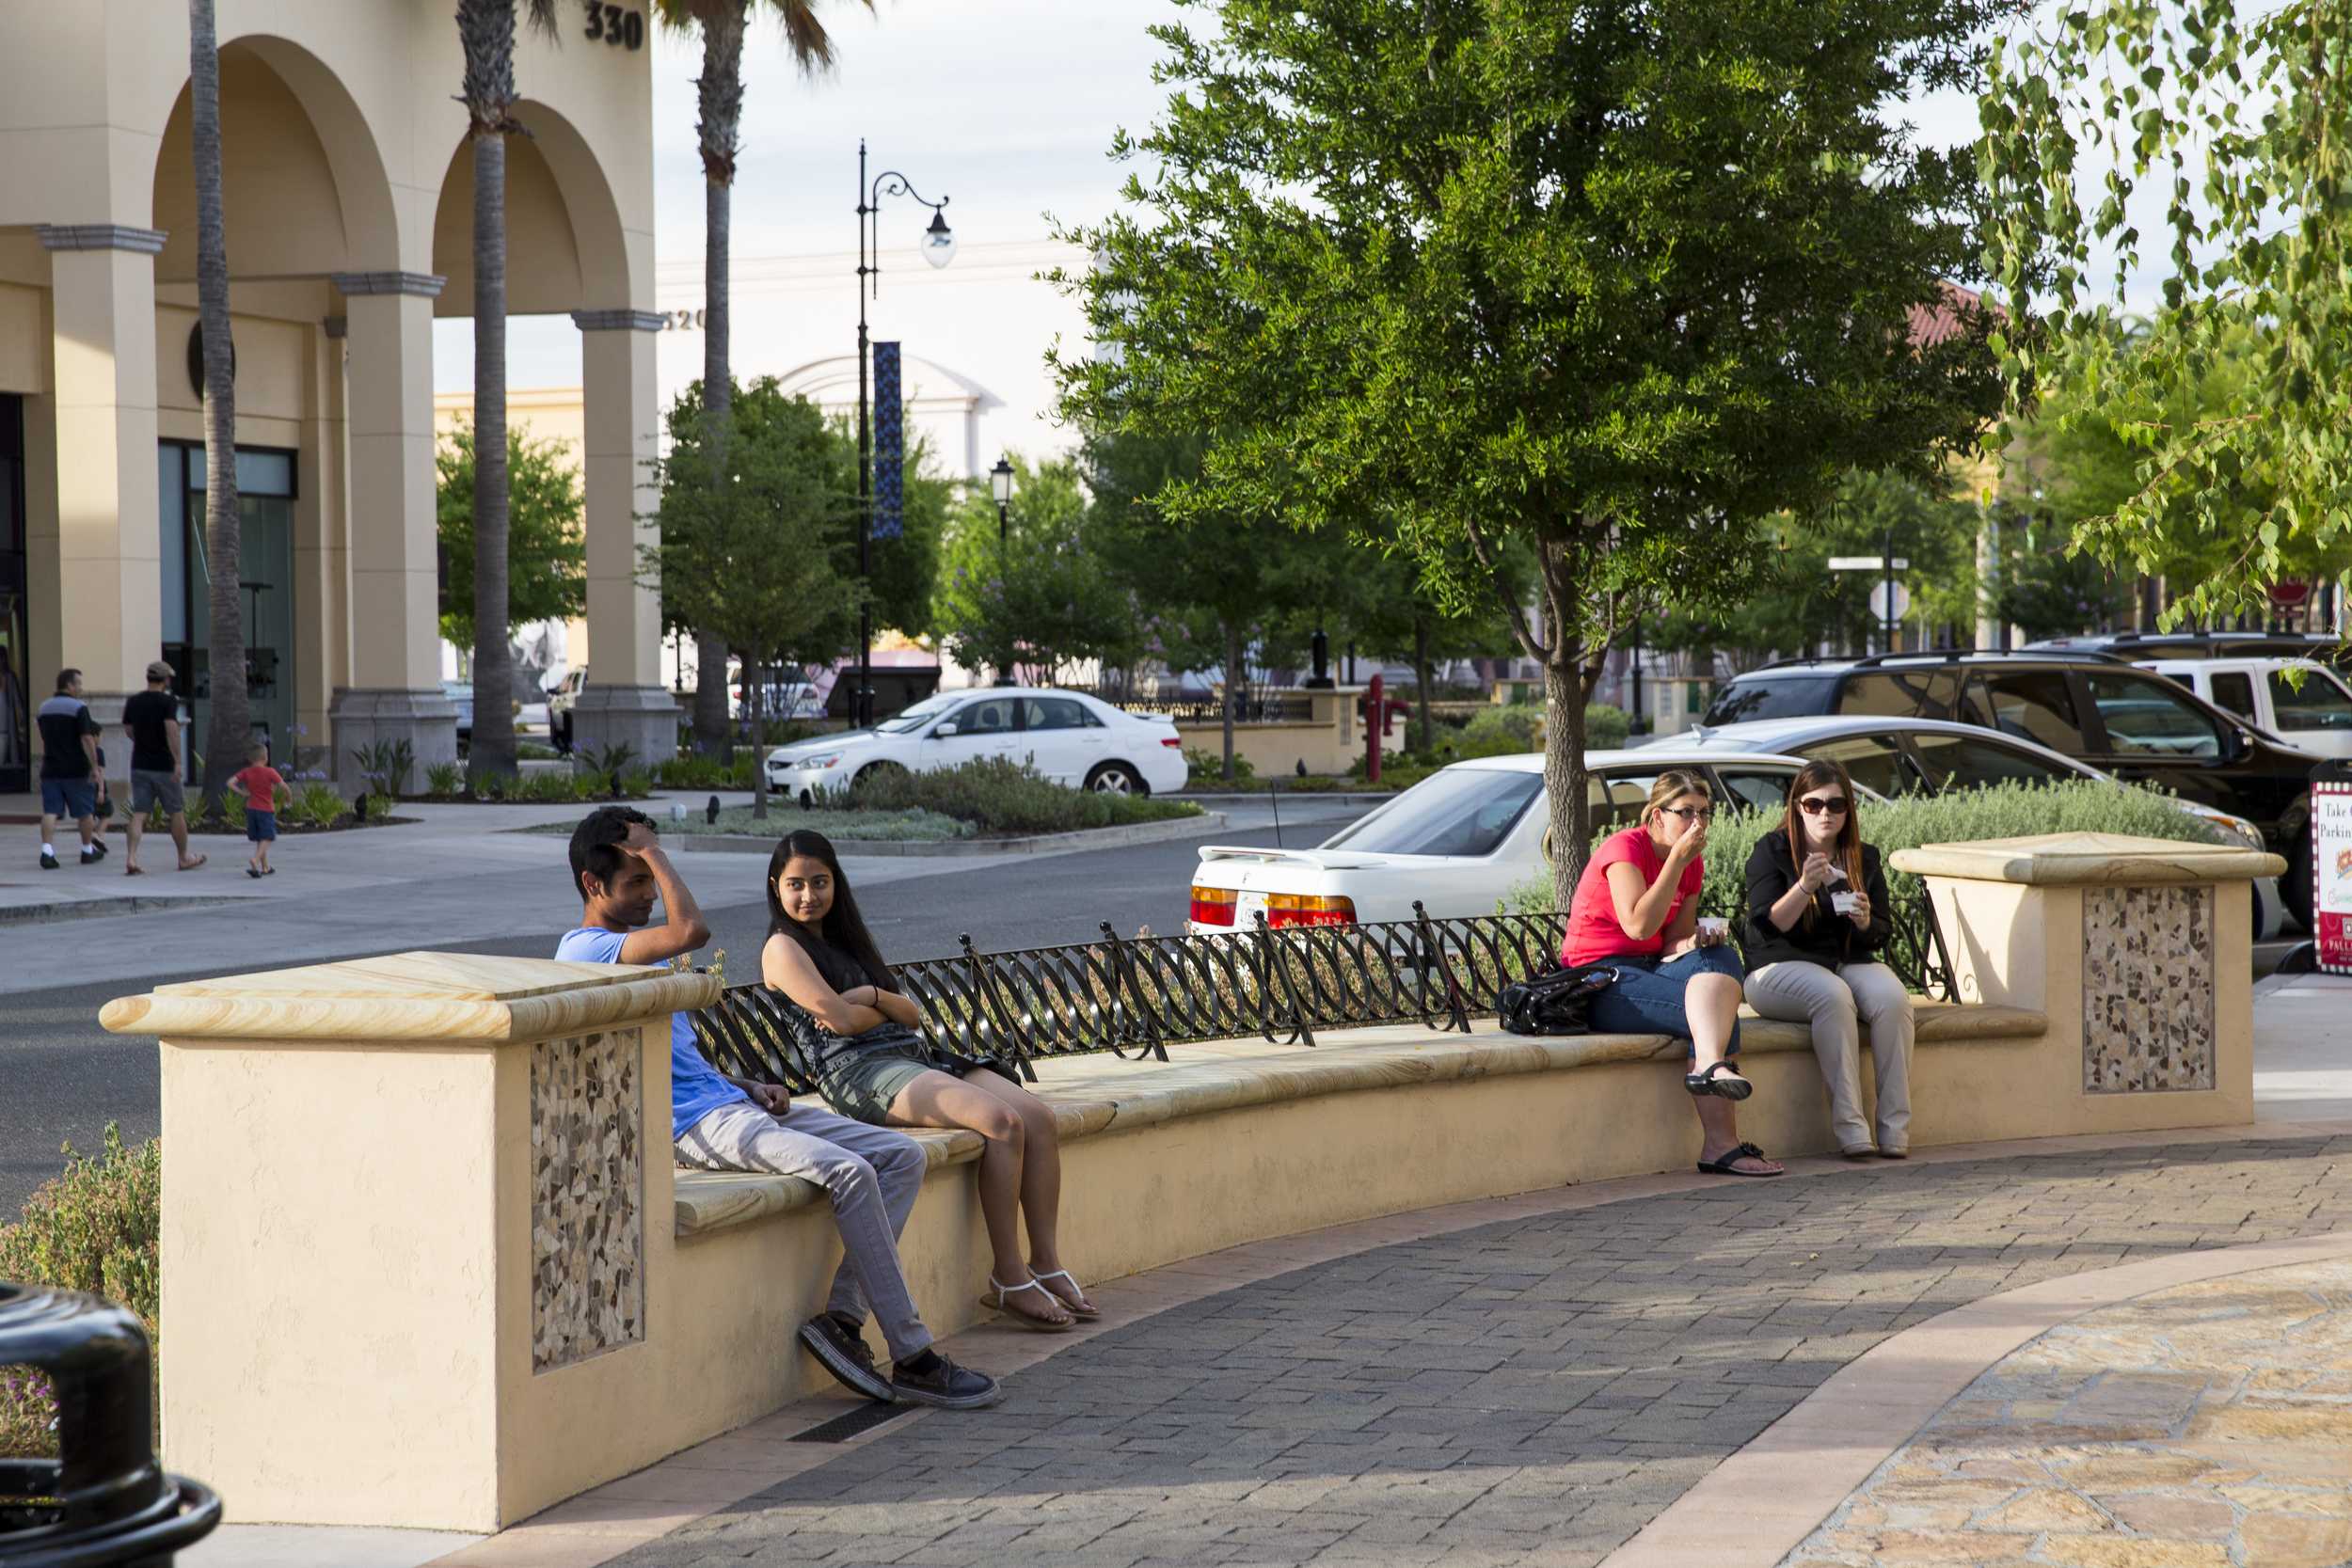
69 798
1646 998
260 826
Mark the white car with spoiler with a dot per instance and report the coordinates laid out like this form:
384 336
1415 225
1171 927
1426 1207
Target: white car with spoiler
1458 841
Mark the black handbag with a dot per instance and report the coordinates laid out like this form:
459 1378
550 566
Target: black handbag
1558 1002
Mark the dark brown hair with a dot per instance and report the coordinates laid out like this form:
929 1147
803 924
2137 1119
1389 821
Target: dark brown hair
843 928
1812 776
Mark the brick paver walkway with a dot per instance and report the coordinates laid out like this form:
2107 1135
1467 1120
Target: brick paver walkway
1526 1393
2201 1427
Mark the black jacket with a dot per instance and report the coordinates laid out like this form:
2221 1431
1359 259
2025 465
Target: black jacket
1829 938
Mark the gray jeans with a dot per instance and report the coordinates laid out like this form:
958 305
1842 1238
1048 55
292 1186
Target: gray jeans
872 1174
1836 1003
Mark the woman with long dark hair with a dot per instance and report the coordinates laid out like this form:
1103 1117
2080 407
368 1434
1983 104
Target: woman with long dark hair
872 1064
1818 916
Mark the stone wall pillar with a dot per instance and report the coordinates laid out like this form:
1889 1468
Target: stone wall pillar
623 702
417 1232
395 688
106 565
2139 951
321 545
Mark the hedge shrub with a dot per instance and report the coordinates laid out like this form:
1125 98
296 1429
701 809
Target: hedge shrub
999 796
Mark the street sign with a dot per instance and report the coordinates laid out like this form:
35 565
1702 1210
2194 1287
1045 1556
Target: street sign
1878 601
1867 563
2332 872
2286 596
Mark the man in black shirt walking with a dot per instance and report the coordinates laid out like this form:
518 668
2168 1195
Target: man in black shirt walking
70 779
152 718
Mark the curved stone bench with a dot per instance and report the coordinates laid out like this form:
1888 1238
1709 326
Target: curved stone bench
1100 1094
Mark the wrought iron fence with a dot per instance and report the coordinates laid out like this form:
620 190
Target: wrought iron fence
1136 997
1267 707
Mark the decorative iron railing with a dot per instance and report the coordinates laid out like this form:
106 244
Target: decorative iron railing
1139 995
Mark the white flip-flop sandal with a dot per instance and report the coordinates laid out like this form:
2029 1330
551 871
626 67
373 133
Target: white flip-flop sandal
1084 1314
1039 1326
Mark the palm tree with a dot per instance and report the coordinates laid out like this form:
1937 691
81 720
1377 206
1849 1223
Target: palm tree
720 100
485 31
231 722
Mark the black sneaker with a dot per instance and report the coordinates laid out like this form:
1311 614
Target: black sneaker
48 861
947 1386
96 851
846 1357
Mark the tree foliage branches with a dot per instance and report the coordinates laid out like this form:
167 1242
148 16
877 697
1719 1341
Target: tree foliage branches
543 529
1615 283
2240 126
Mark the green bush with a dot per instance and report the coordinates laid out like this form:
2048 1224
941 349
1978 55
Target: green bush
94 1228
321 805
999 796
1205 768
2003 811
385 765
443 780
1606 727
687 771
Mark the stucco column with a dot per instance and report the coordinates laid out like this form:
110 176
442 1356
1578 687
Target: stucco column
321 545
623 702
395 688
107 565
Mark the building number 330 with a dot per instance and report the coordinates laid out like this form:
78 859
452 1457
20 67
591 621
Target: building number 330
616 25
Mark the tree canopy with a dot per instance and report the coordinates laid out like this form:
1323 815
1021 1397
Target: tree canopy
543 529
1616 282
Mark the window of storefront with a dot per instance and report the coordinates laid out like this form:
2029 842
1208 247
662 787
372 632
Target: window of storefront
16 740
265 582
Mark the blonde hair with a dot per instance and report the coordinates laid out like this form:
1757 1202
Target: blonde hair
1671 785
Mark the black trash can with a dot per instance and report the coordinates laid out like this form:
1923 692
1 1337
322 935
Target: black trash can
104 1502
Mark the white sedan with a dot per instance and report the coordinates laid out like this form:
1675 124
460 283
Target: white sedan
1067 737
1459 841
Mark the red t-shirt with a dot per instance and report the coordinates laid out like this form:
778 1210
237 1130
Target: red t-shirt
259 785
1594 933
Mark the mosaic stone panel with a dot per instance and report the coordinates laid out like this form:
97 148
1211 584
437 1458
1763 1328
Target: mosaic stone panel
587 1198
2148 982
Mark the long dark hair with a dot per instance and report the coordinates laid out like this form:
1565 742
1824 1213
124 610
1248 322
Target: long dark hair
1812 776
843 928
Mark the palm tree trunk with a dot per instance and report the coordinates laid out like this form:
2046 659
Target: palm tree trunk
231 722
720 98
487 32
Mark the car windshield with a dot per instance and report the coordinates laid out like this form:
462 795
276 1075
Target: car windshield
1461 811
1773 697
920 714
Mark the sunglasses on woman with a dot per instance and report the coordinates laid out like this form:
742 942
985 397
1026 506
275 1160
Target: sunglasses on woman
1692 814
1816 804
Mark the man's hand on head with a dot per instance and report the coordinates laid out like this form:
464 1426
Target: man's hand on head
640 838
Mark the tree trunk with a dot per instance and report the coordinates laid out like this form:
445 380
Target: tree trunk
1233 692
755 698
1564 786
1421 683
720 98
486 29
230 723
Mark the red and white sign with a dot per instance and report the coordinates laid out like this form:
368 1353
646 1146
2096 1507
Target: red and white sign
2287 595
2332 872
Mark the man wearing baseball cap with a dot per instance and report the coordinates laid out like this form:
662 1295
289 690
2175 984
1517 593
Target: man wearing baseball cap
153 717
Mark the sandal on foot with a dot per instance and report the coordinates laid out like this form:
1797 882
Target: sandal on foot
1732 1086
134 871
997 1298
1083 1309
191 866
254 872
1727 1164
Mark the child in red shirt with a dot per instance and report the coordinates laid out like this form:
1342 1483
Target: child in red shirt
261 785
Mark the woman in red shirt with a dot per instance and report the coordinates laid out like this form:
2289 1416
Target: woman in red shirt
1637 910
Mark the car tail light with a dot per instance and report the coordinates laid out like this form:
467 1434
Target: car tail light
1309 908
1172 740
1213 906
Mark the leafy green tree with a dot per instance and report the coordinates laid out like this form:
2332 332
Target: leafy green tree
749 541
1040 595
1382 603
2239 124
1617 282
544 528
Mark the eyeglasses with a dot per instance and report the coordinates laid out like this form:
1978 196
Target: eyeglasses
1692 814
1816 805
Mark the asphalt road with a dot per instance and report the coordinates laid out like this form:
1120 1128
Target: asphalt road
62 1078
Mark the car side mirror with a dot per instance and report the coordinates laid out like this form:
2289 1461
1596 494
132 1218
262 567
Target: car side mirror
2237 745
945 729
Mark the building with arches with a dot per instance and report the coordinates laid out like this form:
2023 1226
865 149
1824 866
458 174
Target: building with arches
348 195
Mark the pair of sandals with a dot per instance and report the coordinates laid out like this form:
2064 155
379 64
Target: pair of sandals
1081 1310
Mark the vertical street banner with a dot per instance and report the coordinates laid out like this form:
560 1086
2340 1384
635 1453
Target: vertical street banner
889 444
2331 869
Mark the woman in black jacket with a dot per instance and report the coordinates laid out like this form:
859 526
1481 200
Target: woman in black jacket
1817 915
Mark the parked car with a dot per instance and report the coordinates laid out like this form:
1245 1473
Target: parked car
1915 756
2093 707
1066 736
461 693
2313 716
2139 645
1458 841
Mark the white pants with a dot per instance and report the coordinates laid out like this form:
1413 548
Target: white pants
1837 1002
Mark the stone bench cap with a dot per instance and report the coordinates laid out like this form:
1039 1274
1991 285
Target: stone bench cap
2088 860
444 998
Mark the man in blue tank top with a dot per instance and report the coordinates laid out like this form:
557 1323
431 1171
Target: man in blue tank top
721 1123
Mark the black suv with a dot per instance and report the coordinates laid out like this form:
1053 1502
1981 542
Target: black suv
2199 645
2092 706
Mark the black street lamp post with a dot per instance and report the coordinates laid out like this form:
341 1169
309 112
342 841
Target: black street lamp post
939 249
1000 485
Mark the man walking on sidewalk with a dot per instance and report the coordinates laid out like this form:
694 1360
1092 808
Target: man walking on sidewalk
68 770
870 1172
152 719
